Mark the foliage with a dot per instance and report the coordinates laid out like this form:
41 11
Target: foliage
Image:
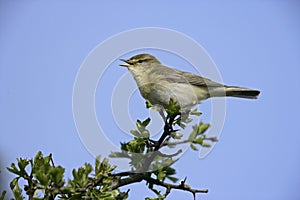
44 180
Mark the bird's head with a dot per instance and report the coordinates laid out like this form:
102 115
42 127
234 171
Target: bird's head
139 60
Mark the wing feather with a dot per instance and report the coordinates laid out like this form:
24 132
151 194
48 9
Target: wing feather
177 76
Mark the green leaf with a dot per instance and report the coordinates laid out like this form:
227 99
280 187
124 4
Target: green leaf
97 164
135 133
3 195
87 168
205 145
22 163
57 174
194 147
13 183
176 135
136 146
148 104
41 164
13 169
161 175
199 140
202 127
173 108
17 191
146 122
145 134
158 198
170 171
198 130
195 112
42 178
139 125
104 166
124 146
193 134
81 176
172 178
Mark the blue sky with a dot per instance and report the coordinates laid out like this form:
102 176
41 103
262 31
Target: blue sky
254 44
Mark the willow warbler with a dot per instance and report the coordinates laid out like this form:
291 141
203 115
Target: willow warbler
158 83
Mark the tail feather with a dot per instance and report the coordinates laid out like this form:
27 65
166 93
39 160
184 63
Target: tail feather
241 92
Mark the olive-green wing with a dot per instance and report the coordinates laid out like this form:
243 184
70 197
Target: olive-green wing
196 80
174 75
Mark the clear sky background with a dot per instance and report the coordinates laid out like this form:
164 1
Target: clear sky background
254 44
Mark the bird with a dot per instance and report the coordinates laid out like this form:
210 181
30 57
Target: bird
158 84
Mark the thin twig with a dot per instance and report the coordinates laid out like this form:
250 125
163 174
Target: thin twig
181 186
166 143
51 159
175 143
170 155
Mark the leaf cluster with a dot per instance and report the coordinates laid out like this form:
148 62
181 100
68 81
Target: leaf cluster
44 180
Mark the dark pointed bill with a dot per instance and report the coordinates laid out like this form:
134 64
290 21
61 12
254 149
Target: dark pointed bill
127 63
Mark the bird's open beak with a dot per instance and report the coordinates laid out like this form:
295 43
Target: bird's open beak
128 63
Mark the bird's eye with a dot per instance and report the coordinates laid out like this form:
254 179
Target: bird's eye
140 61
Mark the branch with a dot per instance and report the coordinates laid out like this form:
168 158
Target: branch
175 143
151 181
170 155
127 181
169 186
168 129
92 183
166 143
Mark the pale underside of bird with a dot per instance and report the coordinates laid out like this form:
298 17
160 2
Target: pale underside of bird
158 83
